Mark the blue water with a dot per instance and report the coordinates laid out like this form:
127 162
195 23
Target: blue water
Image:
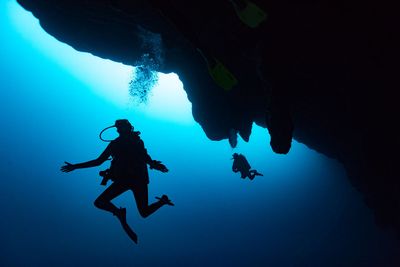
303 212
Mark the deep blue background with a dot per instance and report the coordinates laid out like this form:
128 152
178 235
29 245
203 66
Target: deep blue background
303 212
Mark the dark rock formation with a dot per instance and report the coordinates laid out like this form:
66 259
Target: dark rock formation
322 71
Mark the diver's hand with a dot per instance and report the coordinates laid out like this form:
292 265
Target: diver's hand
68 167
156 164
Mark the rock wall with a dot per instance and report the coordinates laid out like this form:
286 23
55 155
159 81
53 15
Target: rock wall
322 72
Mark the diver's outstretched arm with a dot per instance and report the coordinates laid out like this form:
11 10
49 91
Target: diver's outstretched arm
88 164
153 164
157 165
68 167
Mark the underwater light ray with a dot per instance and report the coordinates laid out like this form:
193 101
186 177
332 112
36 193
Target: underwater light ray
105 78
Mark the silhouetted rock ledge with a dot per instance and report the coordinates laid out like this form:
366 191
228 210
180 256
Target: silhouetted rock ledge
322 72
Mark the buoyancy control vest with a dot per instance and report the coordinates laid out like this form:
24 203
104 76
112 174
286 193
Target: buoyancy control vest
129 160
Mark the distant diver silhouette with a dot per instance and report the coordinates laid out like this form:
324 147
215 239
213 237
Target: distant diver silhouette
128 171
240 164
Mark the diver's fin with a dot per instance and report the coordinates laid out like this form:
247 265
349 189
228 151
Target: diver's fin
121 215
250 14
256 173
164 199
218 72
132 235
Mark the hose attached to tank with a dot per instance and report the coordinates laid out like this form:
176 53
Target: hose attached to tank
101 138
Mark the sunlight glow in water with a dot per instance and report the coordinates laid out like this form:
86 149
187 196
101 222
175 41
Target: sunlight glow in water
105 78
55 101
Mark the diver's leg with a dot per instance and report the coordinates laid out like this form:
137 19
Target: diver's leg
256 173
104 200
141 194
251 175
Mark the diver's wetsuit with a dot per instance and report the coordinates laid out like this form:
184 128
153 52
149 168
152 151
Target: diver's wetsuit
129 172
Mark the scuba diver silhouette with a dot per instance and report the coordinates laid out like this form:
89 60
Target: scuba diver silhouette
240 164
128 171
